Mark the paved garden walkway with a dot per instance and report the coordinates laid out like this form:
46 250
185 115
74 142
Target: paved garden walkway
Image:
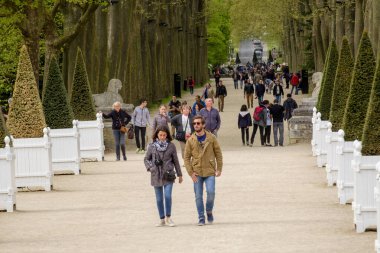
268 200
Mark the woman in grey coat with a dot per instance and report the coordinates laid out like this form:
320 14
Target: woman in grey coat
160 119
161 160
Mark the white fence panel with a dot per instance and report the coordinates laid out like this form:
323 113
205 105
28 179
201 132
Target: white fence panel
7 178
364 189
91 138
345 180
33 166
321 143
315 120
377 199
65 149
331 163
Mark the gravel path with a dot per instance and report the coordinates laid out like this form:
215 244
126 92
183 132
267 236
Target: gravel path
268 200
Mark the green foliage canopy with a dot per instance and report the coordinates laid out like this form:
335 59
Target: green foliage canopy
219 31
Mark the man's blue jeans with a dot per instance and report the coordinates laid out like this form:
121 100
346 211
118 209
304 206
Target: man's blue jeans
164 192
278 97
210 189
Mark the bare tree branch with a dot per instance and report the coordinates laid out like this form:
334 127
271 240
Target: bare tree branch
60 42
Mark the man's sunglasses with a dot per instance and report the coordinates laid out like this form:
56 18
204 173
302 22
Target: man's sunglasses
197 123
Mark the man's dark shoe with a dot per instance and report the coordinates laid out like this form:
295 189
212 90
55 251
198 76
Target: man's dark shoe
201 222
210 218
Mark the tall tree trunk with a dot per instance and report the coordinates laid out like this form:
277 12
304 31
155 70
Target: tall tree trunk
359 24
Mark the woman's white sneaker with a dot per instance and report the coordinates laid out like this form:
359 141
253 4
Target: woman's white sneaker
169 222
161 223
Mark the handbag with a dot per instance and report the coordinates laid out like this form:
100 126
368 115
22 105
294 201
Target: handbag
169 175
181 135
123 129
131 133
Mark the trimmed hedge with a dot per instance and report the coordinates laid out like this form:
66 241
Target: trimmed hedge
328 86
323 77
26 117
360 91
81 97
3 130
342 85
371 134
57 108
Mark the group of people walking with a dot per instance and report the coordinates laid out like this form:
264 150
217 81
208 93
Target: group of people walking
196 129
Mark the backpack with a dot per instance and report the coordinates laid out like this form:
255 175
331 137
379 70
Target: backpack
257 112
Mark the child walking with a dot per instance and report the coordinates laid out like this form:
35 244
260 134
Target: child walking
244 122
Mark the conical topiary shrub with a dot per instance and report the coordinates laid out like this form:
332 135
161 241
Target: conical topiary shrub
342 85
328 85
3 130
81 97
57 108
371 134
254 58
360 91
323 77
26 117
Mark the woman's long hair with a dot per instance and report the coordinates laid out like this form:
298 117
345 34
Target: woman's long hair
162 128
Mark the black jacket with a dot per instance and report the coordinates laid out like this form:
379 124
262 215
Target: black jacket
249 88
221 90
276 93
277 112
244 119
289 105
121 118
260 90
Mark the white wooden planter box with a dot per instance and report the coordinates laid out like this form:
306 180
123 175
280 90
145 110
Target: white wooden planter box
65 149
377 199
7 178
331 163
345 180
33 166
321 143
91 139
315 120
364 194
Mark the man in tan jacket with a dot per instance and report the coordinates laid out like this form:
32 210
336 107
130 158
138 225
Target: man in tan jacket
203 161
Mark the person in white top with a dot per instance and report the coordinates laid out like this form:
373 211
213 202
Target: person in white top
183 124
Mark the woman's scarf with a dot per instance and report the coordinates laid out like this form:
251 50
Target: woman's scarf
161 145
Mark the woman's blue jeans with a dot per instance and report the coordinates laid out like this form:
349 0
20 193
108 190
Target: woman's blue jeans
210 189
119 143
164 193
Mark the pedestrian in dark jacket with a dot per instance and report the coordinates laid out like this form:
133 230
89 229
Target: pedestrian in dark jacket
161 160
119 118
260 91
290 104
244 122
277 112
211 116
221 92
249 90
278 91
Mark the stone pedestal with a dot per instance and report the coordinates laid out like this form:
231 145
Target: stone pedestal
300 125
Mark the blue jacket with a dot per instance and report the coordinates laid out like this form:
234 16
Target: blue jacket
212 118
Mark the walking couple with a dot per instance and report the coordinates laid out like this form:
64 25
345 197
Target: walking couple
203 161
